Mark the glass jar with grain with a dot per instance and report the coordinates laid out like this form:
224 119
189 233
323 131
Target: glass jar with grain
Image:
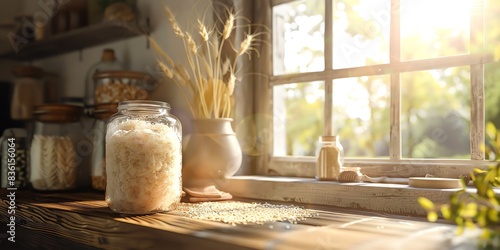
100 113
118 86
58 149
143 158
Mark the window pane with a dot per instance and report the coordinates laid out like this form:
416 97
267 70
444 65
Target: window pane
434 28
298 118
361 33
361 115
298 37
492 109
435 113
492 19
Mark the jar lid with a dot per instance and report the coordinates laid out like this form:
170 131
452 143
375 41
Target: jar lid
108 55
27 71
103 111
119 74
58 113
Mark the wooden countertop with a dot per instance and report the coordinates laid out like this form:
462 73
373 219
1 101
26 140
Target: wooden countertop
83 221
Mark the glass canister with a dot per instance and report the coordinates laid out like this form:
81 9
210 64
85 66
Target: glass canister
13 148
56 150
118 86
330 158
100 113
143 158
28 92
108 62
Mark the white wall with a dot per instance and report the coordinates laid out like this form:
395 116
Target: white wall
132 52
8 9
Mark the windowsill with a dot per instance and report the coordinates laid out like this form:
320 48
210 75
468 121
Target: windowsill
381 197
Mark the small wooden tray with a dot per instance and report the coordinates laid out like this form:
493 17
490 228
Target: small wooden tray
426 182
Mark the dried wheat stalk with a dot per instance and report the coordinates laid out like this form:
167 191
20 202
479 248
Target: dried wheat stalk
210 79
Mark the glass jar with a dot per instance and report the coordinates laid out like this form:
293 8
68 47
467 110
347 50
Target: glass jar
28 92
118 86
143 158
57 148
101 113
13 151
330 158
108 62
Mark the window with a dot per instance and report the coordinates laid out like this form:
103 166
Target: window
410 86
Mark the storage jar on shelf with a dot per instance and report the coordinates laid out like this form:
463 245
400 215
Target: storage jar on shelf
58 148
28 92
108 62
118 86
100 113
143 158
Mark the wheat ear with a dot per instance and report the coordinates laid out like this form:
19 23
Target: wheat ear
173 22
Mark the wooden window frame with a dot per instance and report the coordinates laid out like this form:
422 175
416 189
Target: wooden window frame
395 166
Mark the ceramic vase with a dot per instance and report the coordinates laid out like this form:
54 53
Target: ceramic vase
211 154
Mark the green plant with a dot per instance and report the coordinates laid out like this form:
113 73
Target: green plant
473 210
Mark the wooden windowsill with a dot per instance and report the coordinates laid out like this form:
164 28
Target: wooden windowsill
379 197
83 221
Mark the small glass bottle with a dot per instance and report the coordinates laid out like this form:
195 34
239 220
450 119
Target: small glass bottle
108 62
58 148
330 158
100 113
143 158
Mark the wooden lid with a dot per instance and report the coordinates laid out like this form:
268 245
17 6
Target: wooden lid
27 71
58 113
108 55
119 74
103 111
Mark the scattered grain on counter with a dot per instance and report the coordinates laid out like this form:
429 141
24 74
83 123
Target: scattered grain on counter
234 212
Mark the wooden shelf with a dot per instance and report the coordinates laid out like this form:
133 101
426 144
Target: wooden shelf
74 40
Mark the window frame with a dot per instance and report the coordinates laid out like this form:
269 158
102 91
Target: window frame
395 165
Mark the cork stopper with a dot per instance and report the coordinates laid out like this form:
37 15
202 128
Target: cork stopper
108 55
328 138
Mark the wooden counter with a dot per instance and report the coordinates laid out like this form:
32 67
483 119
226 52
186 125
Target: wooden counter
83 221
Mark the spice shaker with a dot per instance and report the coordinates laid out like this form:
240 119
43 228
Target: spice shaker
143 158
330 157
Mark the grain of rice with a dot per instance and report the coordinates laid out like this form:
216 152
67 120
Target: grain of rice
234 212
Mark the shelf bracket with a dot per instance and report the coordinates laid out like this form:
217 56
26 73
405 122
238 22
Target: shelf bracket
148 32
